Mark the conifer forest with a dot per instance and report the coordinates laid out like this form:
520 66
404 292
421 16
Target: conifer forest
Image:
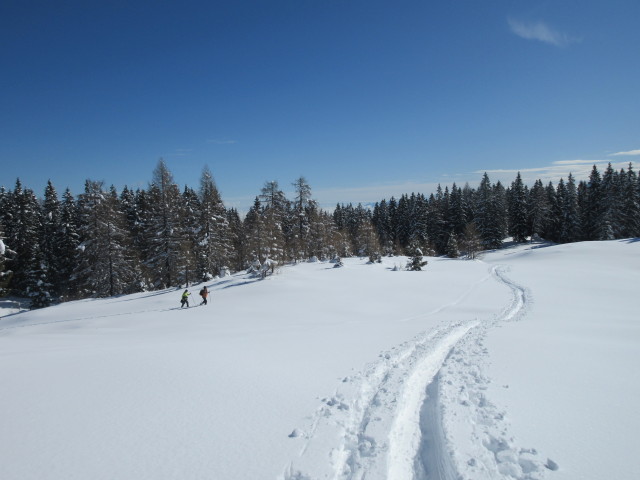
103 242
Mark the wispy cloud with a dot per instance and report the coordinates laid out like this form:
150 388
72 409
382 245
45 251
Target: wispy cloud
576 162
369 194
218 141
630 152
580 169
541 32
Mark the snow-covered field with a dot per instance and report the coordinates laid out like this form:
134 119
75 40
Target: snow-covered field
521 365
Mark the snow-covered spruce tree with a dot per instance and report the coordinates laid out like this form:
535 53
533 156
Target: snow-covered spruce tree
124 256
489 219
556 200
323 235
302 207
416 258
164 237
500 194
192 267
253 228
51 236
458 212
440 224
6 219
317 235
403 222
364 238
40 290
537 209
23 229
570 231
612 203
393 217
289 222
472 242
4 197
517 202
343 244
67 240
424 224
273 212
452 246
133 211
468 204
381 219
138 224
5 275
620 203
128 207
104 265
215 243
445 208
631 204
238 259
367 241
593 215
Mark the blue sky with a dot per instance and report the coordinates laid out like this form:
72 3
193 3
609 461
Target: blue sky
366 99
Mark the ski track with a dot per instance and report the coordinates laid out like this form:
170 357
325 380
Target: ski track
448 305
468 417
94 317
212 287
397 418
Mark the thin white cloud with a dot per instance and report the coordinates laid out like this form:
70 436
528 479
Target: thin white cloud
580 169
218 141
368 194
630 152
577 162
541 32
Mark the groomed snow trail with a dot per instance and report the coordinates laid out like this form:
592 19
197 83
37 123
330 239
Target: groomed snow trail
399 419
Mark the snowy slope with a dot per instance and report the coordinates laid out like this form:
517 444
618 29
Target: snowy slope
322 372
567 375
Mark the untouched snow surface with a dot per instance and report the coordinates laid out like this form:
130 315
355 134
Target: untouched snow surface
522 365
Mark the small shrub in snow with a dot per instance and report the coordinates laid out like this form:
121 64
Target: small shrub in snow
268 267
255 267
416 261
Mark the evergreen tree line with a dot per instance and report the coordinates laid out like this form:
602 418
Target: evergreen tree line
104 243
604 207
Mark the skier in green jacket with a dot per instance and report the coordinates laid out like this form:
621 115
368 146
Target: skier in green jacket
185 299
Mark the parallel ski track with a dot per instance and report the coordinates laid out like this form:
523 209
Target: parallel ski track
382 434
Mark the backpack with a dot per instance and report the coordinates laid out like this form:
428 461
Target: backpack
202 292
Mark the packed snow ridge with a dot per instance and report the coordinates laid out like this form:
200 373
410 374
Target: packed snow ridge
518 366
